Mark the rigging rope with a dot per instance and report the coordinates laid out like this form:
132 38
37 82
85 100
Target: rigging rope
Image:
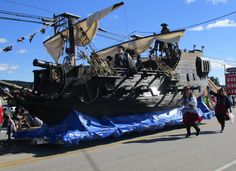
204 22
21 20
26 5
164 67
195 25
112 38
110 33
126 21
21 14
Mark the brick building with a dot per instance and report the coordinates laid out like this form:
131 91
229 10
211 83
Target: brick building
230 80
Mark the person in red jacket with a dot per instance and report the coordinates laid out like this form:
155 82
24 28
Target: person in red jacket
222 107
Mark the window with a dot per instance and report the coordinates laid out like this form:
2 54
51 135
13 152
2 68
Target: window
188 77
194 77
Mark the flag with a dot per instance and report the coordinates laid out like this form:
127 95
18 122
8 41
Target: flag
21 39
42 30
8 48
31 37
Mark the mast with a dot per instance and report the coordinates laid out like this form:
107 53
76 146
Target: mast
70 22
71 50
79 33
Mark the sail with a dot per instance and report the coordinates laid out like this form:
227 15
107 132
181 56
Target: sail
140 45
172 37
88 25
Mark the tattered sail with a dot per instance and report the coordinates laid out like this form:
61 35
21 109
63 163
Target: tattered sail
172 37
89 26
140 45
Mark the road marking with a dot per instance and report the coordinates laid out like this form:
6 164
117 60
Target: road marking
226 166
76 152
89 149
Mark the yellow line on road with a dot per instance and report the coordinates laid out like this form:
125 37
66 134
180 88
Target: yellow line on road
35 159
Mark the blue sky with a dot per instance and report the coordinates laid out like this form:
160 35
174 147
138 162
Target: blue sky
140 16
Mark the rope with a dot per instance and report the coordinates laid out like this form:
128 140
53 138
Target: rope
112 38
21 15
126 21
27 36
197 24
28 21
100 66
164 67
26 5
204 22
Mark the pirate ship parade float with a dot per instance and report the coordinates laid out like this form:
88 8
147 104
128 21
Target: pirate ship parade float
109 86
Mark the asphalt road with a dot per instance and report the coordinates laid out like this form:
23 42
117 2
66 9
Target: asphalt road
166 150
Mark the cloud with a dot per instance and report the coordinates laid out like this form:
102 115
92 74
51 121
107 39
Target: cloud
21 51
189 1
215 2
113 17
198 28
218 63
3 40
8 68
222 23
218 24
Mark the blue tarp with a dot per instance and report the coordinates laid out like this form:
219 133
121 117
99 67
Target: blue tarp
81 127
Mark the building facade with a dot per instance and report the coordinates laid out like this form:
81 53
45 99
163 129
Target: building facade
230 80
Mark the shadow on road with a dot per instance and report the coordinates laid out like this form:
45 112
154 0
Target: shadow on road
169 137
17 147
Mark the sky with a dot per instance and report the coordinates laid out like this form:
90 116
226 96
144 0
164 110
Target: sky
136 16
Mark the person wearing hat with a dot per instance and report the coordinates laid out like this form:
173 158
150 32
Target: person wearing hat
164 28
222 107
163 46
190 114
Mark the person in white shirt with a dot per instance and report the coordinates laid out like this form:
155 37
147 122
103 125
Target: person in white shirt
190 114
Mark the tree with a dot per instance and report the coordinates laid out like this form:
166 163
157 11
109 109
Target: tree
215 80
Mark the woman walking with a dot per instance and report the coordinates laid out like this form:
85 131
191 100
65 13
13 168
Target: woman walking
190 114
222 107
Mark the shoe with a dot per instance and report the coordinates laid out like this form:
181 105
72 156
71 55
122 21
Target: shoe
198 132
222 130
187 135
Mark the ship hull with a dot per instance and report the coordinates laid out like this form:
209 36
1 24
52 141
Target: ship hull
136 93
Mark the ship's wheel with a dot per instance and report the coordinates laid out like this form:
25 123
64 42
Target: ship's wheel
91 96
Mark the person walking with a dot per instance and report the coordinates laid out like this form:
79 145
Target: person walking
222 106
233 98
190 114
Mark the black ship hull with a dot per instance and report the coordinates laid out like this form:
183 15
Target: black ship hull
147 90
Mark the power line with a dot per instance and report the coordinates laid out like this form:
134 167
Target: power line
15 19
204 22
197 24
21 14
26 5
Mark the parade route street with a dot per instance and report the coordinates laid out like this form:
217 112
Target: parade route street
161 150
